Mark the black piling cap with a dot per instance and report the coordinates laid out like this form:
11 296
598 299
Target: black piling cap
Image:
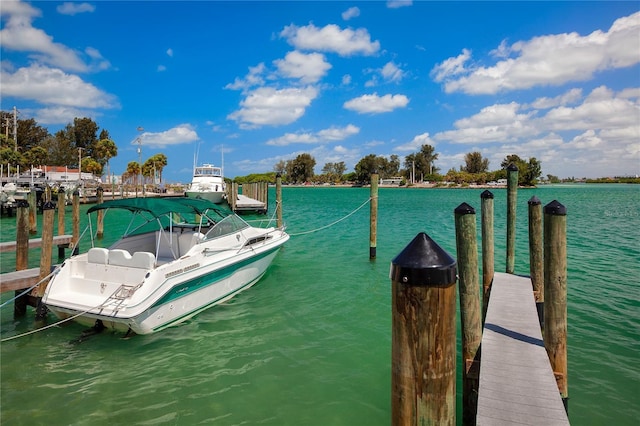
48 205
534 201
76 192
423 263
100 189
22 203
486 194
512 167
463 209
555 208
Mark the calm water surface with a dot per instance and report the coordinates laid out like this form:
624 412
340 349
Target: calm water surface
311 342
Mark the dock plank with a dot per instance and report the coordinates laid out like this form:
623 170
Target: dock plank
517 385
245 203
36 242
19 280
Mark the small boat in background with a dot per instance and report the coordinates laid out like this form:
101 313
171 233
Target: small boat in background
179 257
207 183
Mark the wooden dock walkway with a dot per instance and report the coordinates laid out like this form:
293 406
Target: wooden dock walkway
517 385
59 240
246 204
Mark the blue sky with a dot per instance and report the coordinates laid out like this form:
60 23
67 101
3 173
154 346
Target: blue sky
266 81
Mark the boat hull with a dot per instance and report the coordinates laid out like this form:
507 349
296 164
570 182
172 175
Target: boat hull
191 294
213 196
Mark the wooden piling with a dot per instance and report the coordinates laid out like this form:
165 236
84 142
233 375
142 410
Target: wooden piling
33 210
76 222
536 257
555 293
22 252
423 338
48 212
279 221
512 195
61 210
470 315
488 259
100 214
373 216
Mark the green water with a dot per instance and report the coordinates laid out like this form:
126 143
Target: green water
310 344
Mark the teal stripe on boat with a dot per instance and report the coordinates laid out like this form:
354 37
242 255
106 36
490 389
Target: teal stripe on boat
195 284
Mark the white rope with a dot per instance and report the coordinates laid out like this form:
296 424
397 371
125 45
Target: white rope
333 223
30 288
51 325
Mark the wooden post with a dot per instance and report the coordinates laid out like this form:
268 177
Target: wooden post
470 315
61 210
512 195
373 216
76 222
22 252
100 214
48 212
536 258
279 221
423 339
33 223
555 291
488 260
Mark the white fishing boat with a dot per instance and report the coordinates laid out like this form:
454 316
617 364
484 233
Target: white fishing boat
207 183
178 257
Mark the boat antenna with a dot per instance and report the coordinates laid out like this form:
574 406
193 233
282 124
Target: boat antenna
222 155
195 157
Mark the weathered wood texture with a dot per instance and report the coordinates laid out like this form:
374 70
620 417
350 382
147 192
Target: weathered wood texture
35 243
517 385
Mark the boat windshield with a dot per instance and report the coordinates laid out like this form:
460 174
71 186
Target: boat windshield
208 171
226 226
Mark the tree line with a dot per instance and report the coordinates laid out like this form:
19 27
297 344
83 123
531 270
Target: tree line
416 167
81 144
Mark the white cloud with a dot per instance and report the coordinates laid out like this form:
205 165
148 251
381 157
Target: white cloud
374 104
269 106
352 12
570 97
18 34
170 52
253 78
547 60
309 68
53 86
183 133
331 134
416 143
395 4
391 72
451 67
61 114
331 38
161 68
73 8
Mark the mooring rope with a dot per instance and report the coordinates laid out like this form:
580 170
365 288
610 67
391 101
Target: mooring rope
30 288
6 339
333 223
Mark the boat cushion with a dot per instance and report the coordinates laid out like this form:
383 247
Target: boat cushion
119 257
98 255
143 260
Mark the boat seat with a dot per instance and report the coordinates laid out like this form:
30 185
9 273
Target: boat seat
119 257
143 260
98 255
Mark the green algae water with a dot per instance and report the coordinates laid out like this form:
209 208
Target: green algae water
310 344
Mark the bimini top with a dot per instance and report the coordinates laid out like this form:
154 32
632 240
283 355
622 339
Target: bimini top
161 206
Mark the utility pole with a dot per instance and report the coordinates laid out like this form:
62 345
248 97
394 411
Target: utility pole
15 128
80 164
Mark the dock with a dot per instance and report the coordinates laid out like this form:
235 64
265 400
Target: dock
517 384
59 240
247 204
254 197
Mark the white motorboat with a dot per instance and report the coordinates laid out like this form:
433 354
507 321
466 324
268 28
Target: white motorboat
207 183
178 257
